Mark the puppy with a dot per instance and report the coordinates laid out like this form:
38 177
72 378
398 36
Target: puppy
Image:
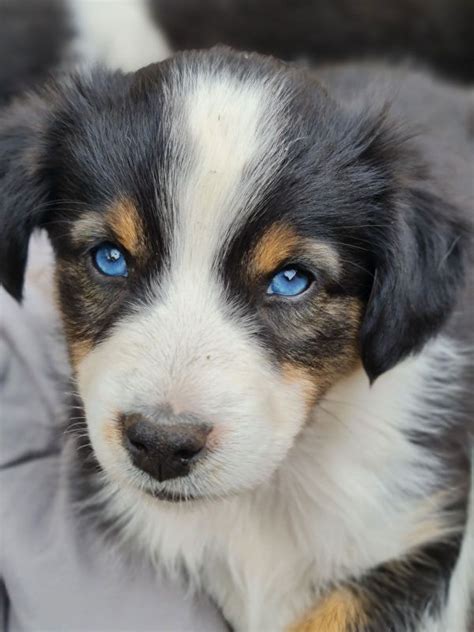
258 272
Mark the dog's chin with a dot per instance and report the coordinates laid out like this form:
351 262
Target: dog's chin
162 493
174 497
190 498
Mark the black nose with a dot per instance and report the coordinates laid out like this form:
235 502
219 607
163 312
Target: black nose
164 450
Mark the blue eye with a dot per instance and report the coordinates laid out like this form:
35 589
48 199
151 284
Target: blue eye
110 260
289 282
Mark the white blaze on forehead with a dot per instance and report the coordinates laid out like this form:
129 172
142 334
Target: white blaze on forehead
232 130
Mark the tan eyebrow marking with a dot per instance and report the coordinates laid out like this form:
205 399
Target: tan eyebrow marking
125 222
277 243
121 220
280 241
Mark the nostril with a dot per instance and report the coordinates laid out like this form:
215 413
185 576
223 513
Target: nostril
138 438
186 454
138 446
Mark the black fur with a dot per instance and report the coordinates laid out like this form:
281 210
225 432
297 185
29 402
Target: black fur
418 272
34 35
438 33
22 191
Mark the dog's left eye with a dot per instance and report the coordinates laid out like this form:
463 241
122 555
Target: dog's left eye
110 260
289 282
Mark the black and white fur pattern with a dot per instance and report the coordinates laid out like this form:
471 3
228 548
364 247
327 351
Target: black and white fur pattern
316 478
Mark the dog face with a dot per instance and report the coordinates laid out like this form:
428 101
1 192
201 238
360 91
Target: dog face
230 241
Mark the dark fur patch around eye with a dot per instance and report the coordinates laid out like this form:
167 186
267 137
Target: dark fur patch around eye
313 340
90 305
88 308
318 342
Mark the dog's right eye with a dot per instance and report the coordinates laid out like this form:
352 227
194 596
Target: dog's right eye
110 260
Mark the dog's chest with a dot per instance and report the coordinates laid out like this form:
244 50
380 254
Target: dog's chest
258 596
252 567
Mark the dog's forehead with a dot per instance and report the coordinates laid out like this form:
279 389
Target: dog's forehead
201 146
227 137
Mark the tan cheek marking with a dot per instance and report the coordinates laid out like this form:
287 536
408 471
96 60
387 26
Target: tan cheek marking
78 351
341 611
112 433
304 379
78 347
349 313
314 382
350 310
124 220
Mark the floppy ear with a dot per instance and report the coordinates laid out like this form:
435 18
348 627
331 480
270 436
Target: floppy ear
419 271
22 191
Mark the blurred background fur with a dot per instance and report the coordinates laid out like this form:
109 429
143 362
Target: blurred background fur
38 36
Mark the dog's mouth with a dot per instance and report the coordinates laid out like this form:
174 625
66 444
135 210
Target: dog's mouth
171 497
183 496
179 495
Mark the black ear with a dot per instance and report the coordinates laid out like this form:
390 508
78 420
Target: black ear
22 192
419 270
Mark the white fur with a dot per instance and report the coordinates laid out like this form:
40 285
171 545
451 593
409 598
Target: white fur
226 136
117 33
231 126
459 612
183 352
348 496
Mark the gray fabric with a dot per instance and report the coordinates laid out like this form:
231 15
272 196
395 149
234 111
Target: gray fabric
53 574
